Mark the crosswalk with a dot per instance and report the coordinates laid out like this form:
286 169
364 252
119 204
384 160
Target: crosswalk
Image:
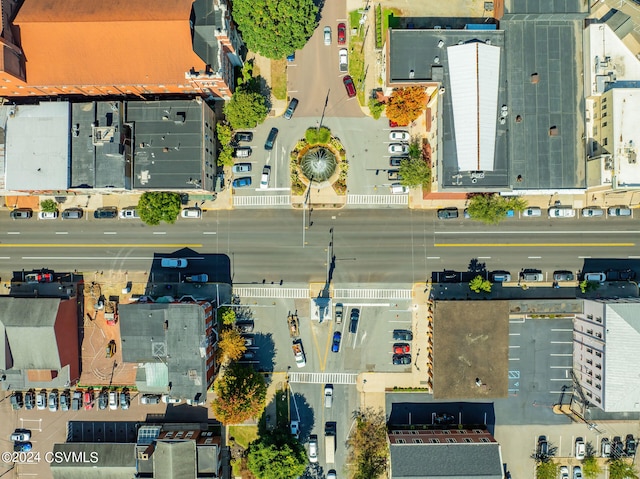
276 293
402 200
262 200
338 294
372 294
323 378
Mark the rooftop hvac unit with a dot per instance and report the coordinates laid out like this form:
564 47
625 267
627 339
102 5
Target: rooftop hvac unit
143 456
608 164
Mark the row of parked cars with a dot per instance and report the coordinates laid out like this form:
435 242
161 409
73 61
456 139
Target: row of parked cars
402 350
241 169
70 400
536 275
557 211
106 212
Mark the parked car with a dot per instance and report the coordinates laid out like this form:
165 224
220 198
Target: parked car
447 213
313 448
107 212
242 182
113 400
47 215
21 214
394 175
351 89
192 212
197 278
293 104
401 359
327 35
295 428
17 400
605 447
335 345
88 399
580 449
595 277
65 401
343 62
242 152
563 275
20 435
630 445
564 472
342 33
41 400
170 400
617 447
401 348
577 472
543 447
264 179
619 211
29 400
124 399
531 212
173 262
53 401
500 276
530 274
338 313
76 401
592 212
72 214
561 212
397 160
245 325
353 323
39 278
150 399
22 447
399 148
332 474
271 139
241 168
620 275
129 214
103 400
328 395
243 136
402 335
291 57
399 135
399 189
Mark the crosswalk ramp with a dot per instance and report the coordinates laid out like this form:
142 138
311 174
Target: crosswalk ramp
262 200
371 294
323 378
399 200
276 292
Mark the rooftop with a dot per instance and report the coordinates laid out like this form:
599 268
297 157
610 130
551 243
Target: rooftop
465 350
115 461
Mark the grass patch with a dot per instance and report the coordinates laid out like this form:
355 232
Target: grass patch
389 19
236 468
243 435
356 55
279 79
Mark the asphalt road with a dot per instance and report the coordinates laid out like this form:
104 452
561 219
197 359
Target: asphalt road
370 246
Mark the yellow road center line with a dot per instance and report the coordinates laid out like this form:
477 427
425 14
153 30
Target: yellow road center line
100 245
535 245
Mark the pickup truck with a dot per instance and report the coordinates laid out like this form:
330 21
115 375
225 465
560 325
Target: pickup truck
298 353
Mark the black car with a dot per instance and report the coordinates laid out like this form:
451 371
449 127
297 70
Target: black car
17 401
293 104
617 449
355 317
447 213
401 359
563 275
543 446
402 335
623 275
630 445
29 400
271 139
245 326
243 136
106 213
21 214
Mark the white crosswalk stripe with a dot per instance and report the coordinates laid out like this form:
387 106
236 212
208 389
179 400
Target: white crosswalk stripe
262 200
323 378
372 294
275 292
377 199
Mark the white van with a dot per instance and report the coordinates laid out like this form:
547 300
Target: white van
398 189
328 395
173 263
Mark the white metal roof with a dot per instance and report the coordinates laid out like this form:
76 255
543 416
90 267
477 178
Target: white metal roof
474 70
37 147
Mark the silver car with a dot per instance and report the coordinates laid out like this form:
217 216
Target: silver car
531 212
327 35
619 211
561 212
592 212
343 60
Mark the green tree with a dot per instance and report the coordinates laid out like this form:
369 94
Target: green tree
479 284
588 286
376 108
415 149
224 133
590 467
315 135
48 206
226 315
620 469
368 450
246 109
492 208
277 455
231 346
156 206
275 29
547 470
415 173
241 392
406 104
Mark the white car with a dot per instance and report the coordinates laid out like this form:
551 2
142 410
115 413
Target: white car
41 400
343 60
561 212
313 448
173 263
264 180
169 400
580 449
400 148
295 428
577 472
113 400
595 277
191 213
328 395
53 401
532 212
399 135
564 472
21 435
129 214
47 215
327 35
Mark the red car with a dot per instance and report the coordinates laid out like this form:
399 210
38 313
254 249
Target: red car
349 86
342 33
401 348
88 400
39 278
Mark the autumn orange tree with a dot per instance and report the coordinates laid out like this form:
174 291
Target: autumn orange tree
406 104
241 393
231 345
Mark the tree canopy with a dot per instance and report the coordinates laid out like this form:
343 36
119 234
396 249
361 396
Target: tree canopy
48 206
479 284
406 104
277 455
546 470
415 172
620 469
246 109
224 134
590 467
226 315
231 345
241 392
275 29
156 206
368 450
492 208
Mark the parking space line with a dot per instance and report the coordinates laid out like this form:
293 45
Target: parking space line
514 359
561 354
561 342
514 334
562 330
513 347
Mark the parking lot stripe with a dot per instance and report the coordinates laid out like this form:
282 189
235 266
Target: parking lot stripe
514 359
209 233
13 232
514 334
159 232
513 347
62 232
560 354
561 342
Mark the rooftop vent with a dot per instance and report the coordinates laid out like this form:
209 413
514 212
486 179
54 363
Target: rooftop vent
412 74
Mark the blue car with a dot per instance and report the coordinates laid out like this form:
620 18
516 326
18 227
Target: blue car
242 182
292 57
335 347
22 447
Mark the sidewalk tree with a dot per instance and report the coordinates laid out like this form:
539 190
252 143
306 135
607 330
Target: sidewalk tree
275 29
588 286
479 284
246 109
241 392
225 135
547 470
620 469
48 206
415 172
368 451
406 104
491 208
590 467
376 108
231 345
226 315
277 455
156 206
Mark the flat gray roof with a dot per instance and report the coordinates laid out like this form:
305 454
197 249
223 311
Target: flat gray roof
545 6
